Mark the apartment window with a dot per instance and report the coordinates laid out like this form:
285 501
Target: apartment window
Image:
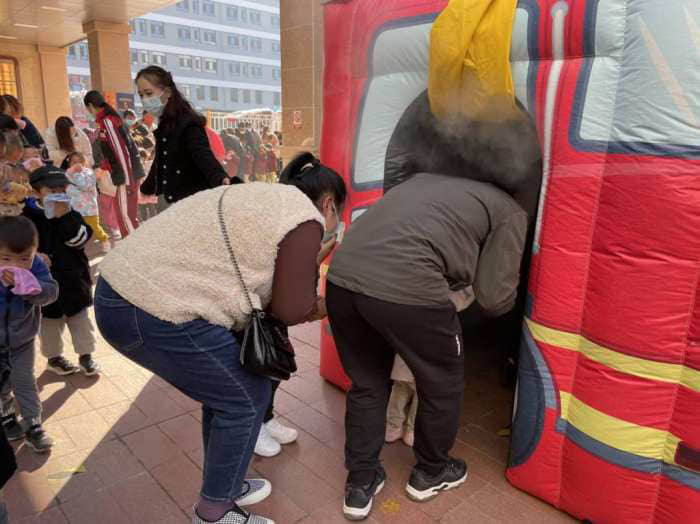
256 44
200 92
158 59
210 65
186 91
277 99
83 51
197 36
246 70
71 51
184 33
197 63
235 69
143 27
275 20
184 5
214 93
8 77
257 71
255 18
184 61
234 95
232 13
144 57
244 15
259 97
134 57
246 96
195 6
158 29
276 47
208 8
244 42
209 37
132 25
234 41
276 73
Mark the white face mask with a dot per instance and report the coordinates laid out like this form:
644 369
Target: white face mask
154 105
338 230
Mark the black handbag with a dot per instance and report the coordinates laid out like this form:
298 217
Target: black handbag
265 347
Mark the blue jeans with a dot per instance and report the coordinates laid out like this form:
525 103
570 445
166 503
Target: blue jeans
201 360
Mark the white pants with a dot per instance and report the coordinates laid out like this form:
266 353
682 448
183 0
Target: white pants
82 333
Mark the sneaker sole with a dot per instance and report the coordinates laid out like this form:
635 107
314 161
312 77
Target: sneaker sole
89 373
256 497
430 493
285 441
60 372
38 450
267 454
14 438
356 514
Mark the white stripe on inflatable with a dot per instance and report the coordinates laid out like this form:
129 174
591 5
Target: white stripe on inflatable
559 12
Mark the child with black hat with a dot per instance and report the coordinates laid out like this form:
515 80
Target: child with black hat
63 235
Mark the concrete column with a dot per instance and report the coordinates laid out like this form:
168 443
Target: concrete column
301 28
54 80
110 62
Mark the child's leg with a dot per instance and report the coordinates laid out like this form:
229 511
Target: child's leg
51 337
82 333
97 230
396 410
24 384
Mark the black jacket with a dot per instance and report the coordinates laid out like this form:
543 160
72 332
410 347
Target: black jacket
63 240
184 163
31 133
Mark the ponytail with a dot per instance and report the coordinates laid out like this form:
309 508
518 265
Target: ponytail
96 99
311 177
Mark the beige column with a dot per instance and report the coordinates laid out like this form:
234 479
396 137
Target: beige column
54 81
301 30
110 62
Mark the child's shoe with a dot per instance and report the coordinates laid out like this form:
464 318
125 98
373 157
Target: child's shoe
13 429
89 366
61 366
408 437
38 440
393 433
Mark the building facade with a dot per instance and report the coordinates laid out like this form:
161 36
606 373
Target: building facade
224 55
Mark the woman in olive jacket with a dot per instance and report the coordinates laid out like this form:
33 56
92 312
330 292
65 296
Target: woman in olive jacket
184 163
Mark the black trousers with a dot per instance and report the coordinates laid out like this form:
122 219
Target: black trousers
368 333
270 414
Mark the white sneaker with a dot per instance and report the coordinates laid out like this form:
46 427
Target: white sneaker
282 434
266 446
254 491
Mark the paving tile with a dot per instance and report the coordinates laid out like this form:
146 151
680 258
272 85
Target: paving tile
317 424
485 441
28 493
331 513
284 402
308 333
185 431
87 430
197 457
115 365
100 506
124 417
158 406
61 400
392 505
304 390
181 479
467 513
51 516
134 384
498 505
144 501
151 446
308 352
304 365
325 462
280 508
63 444
182 400
101 392
333 405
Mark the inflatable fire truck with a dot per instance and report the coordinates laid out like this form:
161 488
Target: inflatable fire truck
607 417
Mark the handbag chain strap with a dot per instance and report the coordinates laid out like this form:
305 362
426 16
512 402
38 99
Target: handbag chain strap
229 247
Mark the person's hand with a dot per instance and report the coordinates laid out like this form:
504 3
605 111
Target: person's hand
7 278
32 164
226 181
321 311
45 258
61 209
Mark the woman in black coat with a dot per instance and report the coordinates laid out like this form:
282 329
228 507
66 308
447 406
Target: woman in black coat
184 163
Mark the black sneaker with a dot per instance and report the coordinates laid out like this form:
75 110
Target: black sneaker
61 366
358 499
422 487
38 440
13 429
89 366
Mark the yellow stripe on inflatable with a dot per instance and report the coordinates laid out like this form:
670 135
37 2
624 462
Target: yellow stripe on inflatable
639 440
638 367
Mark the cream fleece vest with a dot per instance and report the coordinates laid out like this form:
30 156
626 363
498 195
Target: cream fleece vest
176 266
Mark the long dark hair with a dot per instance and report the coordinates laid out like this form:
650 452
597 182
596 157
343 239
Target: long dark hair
7 123
12 104
63 133
309 175
177 107
96 99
